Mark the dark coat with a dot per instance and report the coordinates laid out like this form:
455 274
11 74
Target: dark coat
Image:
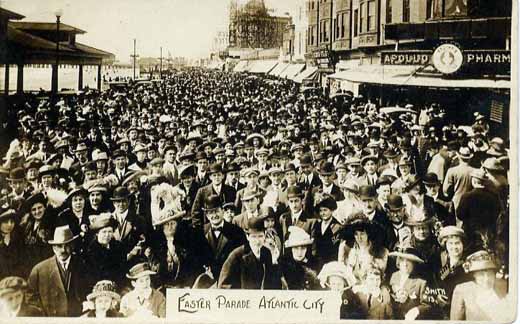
326 244
182 272
215 251
227 194
305 221
316 181
191 194
106 264
35 244
299 275
312 195
12 256
130 233
242 270
46 288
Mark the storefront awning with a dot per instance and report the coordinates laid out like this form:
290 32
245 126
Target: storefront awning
279 69
413 76
292 70
262 66
305 74
240 67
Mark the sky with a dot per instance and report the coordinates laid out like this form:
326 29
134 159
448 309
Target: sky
182 27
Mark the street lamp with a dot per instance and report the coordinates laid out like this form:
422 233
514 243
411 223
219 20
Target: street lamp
58 13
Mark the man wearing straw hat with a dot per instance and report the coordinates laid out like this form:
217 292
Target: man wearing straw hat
57 285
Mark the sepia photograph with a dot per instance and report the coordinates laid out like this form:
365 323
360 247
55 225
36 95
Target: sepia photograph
259 161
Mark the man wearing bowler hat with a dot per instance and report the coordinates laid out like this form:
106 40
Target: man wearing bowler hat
220 236
442 206
216 187
57 284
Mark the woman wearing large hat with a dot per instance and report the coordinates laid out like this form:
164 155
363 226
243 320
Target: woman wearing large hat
448 275
423 229
407 287
36 226
256 140
75 212
485 297
172 247
104 300
298 265
361 247
11 244
105 256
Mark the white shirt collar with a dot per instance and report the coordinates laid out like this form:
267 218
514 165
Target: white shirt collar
297 215
328 189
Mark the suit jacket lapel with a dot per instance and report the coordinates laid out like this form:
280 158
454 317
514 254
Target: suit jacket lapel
209 237
55 277
221 243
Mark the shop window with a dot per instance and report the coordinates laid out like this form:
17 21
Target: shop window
371 15
389 11
362 17
355 23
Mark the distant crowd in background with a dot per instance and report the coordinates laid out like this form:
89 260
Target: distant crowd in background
211 179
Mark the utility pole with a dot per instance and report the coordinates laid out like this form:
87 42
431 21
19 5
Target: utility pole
134 57
160 66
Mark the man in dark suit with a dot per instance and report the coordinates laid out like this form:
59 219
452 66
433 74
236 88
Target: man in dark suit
57 284
251 201
130 228
203 176
309 178
443 207
327 187
216 187
325 231
296 215
120 165
220 237
233 176
252 265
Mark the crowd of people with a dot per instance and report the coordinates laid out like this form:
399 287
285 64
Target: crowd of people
211 179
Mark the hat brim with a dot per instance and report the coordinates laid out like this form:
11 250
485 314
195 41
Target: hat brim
93 296
288 244
482 265
170 218
407 256
142 274
52 242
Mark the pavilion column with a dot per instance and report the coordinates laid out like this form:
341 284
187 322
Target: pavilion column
99 77
80 77
19 80
6 80
54 79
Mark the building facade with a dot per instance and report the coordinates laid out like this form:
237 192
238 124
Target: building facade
251 26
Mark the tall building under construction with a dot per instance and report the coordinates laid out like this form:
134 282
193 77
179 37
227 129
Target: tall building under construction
251 25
